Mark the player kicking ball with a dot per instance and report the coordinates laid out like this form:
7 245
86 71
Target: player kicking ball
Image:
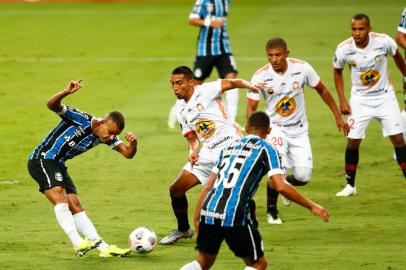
222 210
75 134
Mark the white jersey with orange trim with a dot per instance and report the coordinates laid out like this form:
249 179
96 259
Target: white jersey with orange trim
205 115
368 66
284 96
402 22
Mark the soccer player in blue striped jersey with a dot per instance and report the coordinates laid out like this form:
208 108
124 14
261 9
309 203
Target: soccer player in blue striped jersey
222 212
75 134
213 50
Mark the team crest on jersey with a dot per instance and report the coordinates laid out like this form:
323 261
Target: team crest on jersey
205 128
58 177
286 106
295 85
199 107
270 90
370 77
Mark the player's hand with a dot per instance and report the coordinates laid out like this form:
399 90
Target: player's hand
256 88
320 211
345 108
216 23
342 126
193 156
73 86
131 138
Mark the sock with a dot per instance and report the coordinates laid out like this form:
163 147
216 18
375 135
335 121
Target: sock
232 103
401 158
180 206
272 198
294 182
65 220
249 268
85 226
351 163
191 266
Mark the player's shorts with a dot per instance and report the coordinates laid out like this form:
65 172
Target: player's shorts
294 151
202 168
244 241
49 173
386 111
224 64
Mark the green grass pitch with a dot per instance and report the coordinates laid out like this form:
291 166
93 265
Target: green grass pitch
125 53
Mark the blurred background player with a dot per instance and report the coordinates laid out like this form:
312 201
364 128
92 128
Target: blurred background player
213 50
202 117
372 94
222 210
284 80
74 135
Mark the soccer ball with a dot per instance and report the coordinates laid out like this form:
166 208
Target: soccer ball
142 240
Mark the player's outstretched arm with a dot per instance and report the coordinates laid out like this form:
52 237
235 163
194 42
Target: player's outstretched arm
328 99
54 103
339 83
200 201
252 106
279 183
228 84
129 150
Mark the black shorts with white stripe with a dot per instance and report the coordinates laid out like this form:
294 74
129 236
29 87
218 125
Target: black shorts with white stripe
49 173
244 241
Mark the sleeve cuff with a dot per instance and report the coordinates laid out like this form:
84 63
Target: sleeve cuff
275 171
63 110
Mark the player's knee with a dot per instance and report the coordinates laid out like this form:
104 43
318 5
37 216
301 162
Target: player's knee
75 207
175 191
302 174
261 264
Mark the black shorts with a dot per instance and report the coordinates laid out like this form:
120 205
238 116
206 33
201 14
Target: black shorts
244 241
224 64
50 173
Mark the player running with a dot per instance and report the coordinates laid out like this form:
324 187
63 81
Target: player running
372 94
222 210
285 79
202 117
75 134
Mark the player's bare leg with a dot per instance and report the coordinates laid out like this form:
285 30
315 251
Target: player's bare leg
57 196
177 190
260 264
400 150
351 163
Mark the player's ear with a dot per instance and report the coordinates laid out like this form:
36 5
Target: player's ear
269 130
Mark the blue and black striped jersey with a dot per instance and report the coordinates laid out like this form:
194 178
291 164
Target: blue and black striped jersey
239 170
212 41
71 137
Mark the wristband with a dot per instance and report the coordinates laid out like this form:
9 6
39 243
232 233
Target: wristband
207 22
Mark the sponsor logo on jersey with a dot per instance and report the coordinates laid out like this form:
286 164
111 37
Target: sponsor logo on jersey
58 177
270 90
205 128
296 73
295 85
352 63
370 77
286 106
199 107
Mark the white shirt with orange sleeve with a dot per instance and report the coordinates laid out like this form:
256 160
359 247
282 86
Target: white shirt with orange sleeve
368 66
284 95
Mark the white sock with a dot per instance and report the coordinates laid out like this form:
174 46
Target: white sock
191 266
65 220
232 103
86 227
249 268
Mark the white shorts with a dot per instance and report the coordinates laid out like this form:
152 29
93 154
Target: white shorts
294 151
386 111
202 168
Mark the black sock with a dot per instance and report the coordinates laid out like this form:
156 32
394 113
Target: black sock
401 158
351 163
180 206
272 198
294 182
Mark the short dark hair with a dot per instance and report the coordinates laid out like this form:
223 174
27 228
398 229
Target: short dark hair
116 117
183 70
362 16
259 120
276 43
